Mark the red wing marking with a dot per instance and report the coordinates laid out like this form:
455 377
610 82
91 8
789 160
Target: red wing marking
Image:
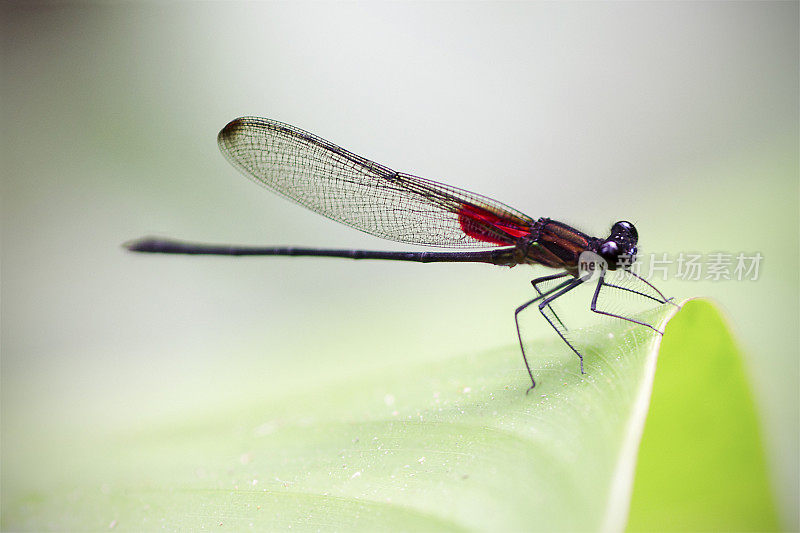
485 225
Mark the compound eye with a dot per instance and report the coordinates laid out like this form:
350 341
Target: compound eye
609 251
627 227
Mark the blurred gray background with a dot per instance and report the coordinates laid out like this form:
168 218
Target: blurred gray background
682 117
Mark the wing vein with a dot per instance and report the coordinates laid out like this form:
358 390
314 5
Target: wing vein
365 195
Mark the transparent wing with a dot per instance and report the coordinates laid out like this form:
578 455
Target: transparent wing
363 194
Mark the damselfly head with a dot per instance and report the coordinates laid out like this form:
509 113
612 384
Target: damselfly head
619 249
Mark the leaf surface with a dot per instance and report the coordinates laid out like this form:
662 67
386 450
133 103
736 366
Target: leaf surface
450 446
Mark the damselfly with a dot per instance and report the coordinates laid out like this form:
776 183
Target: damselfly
400 207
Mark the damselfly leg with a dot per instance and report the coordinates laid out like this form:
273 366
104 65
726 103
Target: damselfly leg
664 299
546 299
544 279
660 298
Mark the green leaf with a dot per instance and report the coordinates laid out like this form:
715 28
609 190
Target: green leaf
452 445
701 462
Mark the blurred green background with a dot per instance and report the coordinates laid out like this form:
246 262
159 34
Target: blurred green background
681 117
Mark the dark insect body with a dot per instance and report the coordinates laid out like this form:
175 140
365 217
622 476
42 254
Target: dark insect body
400 207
